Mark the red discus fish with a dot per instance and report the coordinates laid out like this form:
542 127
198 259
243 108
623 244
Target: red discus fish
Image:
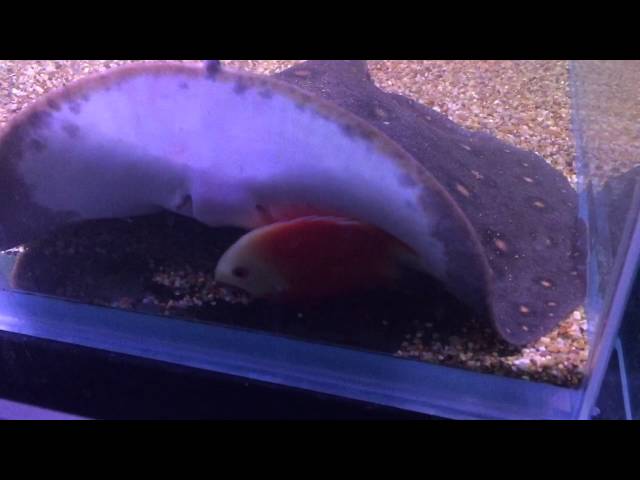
313 258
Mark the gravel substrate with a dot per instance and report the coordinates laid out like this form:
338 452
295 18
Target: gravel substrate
525 103
610 115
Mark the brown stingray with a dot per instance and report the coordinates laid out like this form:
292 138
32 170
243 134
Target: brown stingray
497 225
523 210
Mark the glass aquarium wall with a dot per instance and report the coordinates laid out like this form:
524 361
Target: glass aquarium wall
606 117
453 237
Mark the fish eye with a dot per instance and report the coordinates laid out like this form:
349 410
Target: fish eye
240 272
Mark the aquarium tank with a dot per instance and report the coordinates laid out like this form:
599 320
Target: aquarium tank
457 238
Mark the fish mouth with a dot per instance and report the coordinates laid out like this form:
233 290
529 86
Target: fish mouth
233 293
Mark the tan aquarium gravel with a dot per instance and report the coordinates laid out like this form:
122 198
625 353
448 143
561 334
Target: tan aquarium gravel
525 103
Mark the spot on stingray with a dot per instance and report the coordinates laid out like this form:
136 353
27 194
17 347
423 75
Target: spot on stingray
528 179
464 191
524 310
477 174
501 245
240 86
495 239
53 105
302 73
212 67
74 107
71 129
546 283
39 119
539 204
466 147
552 304
37 145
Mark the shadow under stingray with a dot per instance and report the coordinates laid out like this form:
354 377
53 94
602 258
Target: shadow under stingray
118 263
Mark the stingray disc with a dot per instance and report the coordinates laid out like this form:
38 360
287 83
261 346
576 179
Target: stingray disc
523 210
228 149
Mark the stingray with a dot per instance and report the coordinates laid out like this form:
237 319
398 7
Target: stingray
496 225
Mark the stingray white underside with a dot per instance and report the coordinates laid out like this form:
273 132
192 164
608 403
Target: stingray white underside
153 140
